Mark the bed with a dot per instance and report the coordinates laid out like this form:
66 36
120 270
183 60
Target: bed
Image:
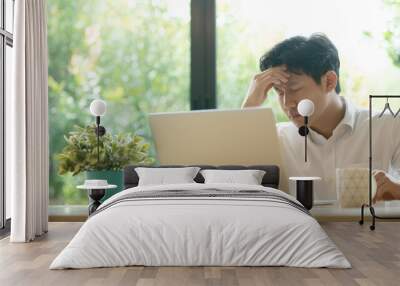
201 224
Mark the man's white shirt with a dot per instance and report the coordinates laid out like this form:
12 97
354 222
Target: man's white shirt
347 147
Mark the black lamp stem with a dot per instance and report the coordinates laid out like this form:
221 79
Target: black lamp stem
98 139
305 138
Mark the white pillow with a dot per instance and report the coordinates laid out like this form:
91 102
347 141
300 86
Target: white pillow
249 177
162 176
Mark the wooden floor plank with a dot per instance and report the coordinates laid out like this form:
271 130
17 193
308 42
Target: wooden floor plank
374 255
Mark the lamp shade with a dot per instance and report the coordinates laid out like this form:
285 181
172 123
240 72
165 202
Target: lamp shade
305 107
98 107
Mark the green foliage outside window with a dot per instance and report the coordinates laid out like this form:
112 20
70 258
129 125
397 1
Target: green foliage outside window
133 54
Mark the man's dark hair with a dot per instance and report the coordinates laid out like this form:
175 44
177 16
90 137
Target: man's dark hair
313 56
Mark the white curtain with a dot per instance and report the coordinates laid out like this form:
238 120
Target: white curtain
27 124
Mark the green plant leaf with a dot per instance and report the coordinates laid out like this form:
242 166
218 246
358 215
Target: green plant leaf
115 152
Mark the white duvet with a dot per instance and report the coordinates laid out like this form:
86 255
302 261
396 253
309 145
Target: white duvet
200 231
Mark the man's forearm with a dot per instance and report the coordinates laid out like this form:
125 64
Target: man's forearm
247 102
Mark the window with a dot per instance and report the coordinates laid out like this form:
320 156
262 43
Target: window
358 29
9 16
138 61
6 43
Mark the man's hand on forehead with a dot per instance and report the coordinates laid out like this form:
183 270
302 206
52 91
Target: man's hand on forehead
275 77
283 86
291 85
280 88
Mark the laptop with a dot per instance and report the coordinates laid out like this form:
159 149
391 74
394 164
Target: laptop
217 137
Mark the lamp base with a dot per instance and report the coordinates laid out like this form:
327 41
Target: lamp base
304 193
100 130
96 195
303 130
304 190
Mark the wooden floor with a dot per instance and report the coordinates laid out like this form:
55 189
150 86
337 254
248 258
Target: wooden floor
375 257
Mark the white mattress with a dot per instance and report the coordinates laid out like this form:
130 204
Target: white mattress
200 231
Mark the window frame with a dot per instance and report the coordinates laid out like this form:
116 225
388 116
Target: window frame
203 69
6 39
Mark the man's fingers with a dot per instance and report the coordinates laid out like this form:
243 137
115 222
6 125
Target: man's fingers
382 181
380 176
272 77
272 81
282 69
375 198
381 185
380 191
281 75
379 195
271 72
379 180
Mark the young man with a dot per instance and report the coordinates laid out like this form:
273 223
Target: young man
300 68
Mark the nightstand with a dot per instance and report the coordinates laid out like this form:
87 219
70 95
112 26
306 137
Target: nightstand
96 190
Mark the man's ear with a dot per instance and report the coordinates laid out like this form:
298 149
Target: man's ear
329 81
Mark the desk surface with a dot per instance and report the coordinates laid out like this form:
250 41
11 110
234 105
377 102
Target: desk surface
304 178
335 213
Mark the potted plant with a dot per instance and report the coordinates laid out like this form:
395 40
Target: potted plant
115 152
